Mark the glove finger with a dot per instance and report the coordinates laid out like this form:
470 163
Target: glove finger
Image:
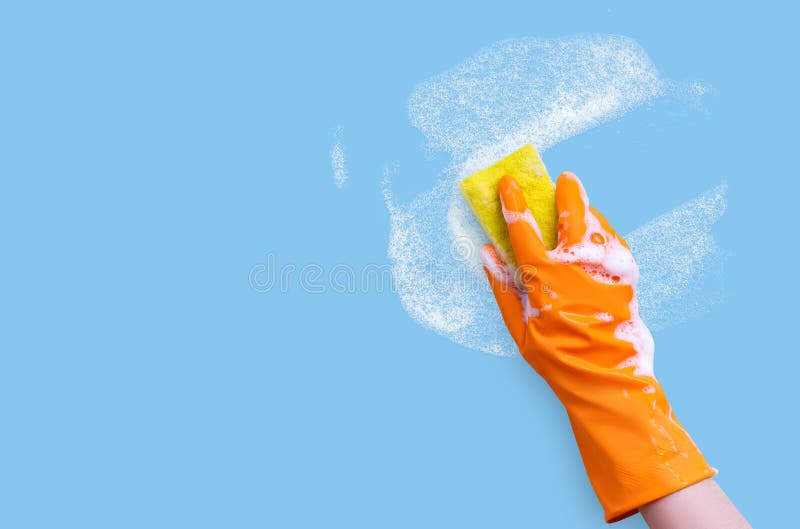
526 238
571 203
506 293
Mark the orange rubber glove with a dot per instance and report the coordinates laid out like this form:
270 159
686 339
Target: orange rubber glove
572 311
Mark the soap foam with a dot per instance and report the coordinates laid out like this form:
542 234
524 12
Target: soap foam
635 332
541 92
610 262
337 159
679 261
526 217
604 316
535 91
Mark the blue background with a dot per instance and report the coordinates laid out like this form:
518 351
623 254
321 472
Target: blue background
151 155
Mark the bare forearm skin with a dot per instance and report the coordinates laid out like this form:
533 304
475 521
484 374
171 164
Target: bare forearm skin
703 505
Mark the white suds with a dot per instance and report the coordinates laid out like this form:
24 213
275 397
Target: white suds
533 91
604 316
511 93
635 332
500 271
679 261
600 253
526 217
337 159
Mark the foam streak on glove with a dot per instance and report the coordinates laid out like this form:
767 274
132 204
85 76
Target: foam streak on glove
572 312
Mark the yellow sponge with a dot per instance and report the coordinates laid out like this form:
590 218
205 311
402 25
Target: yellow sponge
480 192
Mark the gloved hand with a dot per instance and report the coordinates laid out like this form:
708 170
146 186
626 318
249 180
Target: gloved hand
572 311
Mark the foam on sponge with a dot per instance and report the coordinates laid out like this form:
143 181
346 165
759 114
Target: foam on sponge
480 192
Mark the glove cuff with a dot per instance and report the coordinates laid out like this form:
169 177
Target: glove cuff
635 451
